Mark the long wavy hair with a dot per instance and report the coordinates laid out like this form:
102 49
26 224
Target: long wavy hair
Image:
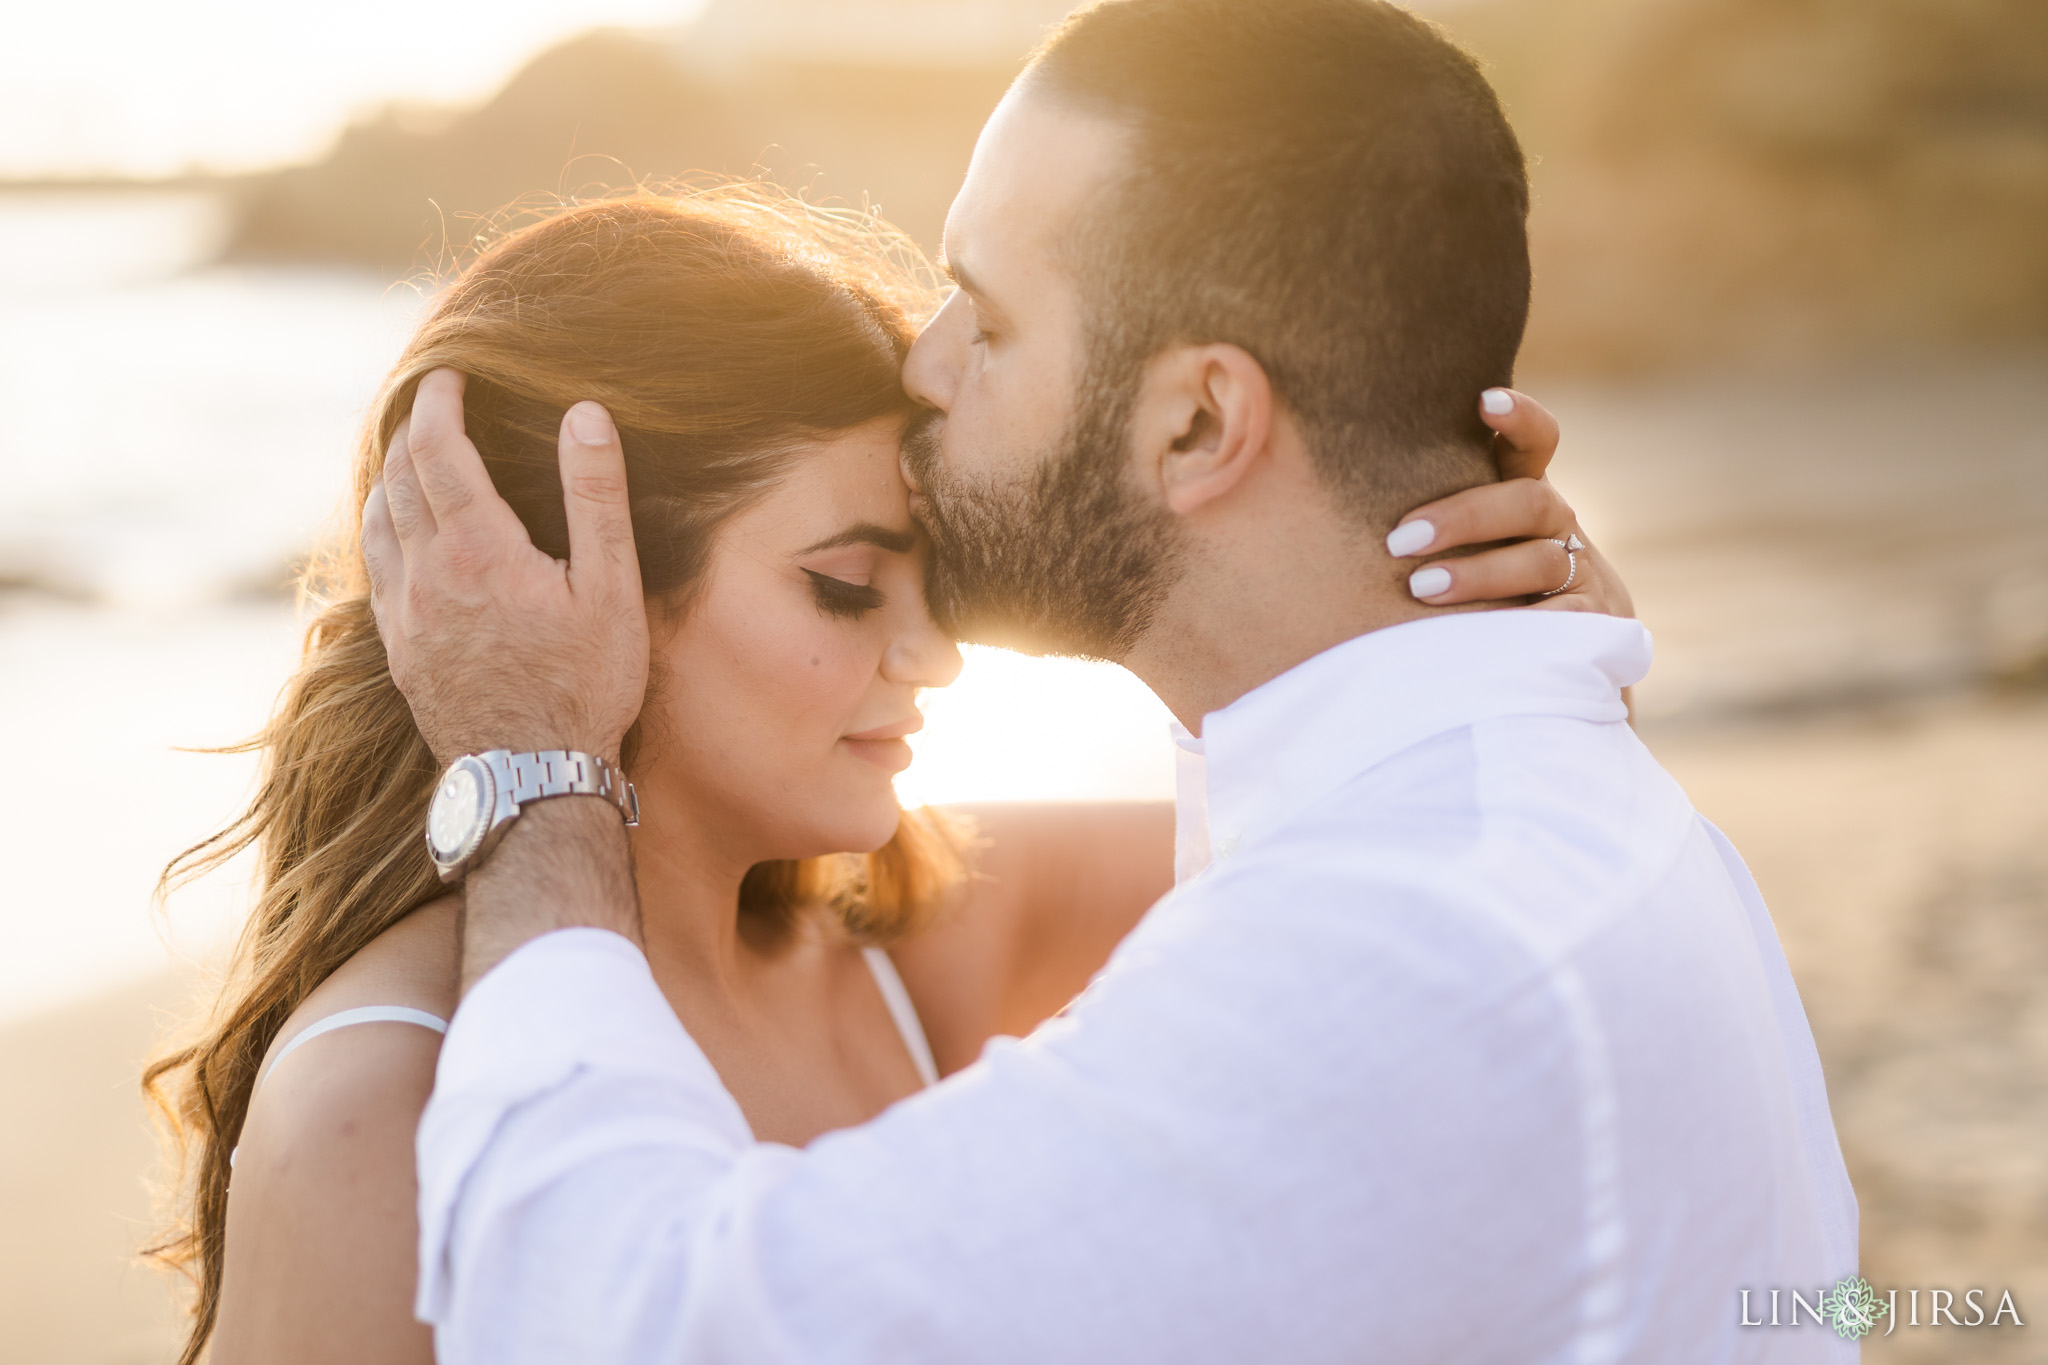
722 328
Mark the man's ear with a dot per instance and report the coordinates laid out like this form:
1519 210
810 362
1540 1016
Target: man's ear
1204 420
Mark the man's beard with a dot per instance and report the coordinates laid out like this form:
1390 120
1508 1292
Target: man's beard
1069 560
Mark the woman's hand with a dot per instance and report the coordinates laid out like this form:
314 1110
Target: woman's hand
1523 509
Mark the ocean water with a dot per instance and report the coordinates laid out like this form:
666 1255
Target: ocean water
176 436
179 433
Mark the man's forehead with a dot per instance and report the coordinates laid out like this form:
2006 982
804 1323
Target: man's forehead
1039 162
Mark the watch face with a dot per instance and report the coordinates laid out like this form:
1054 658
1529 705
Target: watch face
460 812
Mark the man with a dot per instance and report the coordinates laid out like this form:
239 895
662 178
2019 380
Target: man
1464 1038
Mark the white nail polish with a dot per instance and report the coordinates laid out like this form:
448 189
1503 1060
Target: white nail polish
1410 538
1427 583
1499 402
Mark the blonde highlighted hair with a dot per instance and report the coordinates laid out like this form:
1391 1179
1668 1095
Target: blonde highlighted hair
722 328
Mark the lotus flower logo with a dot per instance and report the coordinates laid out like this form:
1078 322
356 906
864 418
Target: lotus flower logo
1852 1308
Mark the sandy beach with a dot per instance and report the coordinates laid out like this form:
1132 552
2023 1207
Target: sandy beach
75 1161
1903 854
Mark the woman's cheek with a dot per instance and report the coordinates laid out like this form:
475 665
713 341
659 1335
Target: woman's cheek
820 677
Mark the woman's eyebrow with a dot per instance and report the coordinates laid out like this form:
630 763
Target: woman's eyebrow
867 533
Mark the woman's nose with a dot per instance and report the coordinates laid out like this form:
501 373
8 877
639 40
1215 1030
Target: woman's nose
923 656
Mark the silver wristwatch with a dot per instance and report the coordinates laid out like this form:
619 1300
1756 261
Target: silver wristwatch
481 794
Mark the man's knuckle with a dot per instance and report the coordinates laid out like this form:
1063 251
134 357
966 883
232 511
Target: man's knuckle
419 600
427 435
452 497
407 508
463 557
602 486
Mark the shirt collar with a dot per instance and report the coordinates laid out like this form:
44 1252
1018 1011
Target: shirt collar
1290 742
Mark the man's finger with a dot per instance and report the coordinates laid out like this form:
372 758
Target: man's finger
410 518
451 474
1527 432
1516 510
601 551
1521 570
383 554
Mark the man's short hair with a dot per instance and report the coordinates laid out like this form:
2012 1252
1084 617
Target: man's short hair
1330 184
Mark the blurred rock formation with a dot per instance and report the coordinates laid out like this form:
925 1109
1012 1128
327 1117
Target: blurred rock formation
1757 181
860 101
1777 179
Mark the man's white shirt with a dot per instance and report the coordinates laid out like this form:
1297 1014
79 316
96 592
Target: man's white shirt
1464 1039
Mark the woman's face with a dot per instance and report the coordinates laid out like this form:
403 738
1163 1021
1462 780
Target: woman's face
788 687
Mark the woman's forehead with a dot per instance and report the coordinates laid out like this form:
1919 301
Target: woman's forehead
851 479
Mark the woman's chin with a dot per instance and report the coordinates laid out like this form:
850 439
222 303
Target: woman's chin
845 836
863 819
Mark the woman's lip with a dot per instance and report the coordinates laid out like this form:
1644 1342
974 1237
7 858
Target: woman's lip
891 755
895 731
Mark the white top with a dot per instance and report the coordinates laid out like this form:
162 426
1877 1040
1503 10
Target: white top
1474 1042
367 1014
904 1013
901 1011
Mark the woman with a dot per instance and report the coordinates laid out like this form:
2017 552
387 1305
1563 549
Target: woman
748 353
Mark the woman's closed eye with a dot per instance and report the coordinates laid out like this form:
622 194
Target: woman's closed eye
837 597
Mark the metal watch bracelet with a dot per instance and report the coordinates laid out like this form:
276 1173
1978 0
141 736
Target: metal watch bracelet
558 772
481 794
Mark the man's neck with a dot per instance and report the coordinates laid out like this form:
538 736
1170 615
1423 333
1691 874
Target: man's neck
1256 603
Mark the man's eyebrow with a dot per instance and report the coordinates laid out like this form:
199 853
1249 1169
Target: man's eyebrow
867 533
957 273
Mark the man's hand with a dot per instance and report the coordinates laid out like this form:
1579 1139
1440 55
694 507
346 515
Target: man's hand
1523 508
496 645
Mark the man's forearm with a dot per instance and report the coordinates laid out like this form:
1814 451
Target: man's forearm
565 863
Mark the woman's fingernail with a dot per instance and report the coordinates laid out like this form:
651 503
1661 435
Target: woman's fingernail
1410 538
590 424
1499 402
1427 583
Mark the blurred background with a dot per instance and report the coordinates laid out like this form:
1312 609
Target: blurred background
1792 308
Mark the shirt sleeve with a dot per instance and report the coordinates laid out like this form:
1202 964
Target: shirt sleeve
570 1024
591 1193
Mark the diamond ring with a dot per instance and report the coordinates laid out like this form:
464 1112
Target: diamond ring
1571 545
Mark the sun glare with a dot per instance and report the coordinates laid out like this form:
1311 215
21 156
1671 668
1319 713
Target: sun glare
1020 729
121 87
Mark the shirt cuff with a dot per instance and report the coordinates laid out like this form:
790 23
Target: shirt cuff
571 1002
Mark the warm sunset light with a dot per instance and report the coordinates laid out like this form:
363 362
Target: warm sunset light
1789 310
123 87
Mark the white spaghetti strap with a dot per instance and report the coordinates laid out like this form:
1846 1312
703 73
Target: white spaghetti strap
904 1013
368 1014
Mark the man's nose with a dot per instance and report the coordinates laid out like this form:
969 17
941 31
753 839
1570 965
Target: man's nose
931 370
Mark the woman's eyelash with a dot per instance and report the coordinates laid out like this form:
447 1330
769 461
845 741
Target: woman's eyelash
841 598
